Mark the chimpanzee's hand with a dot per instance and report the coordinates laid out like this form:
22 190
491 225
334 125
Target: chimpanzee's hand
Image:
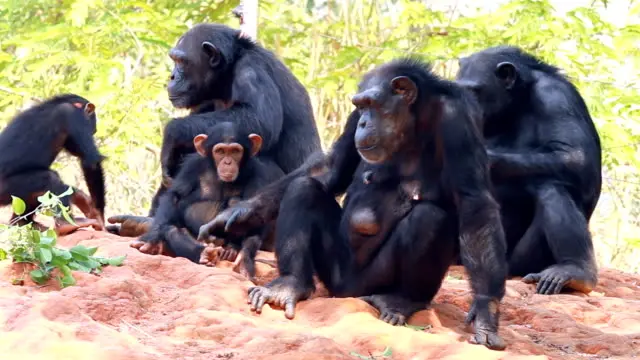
484 314
237 220
166 181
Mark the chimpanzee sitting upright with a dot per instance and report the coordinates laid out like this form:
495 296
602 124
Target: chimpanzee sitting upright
545 157
214 63
417 131
31 142
225 169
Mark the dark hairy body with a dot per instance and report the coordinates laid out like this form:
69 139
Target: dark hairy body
416 178
545 156
224 170
260 93
221 76
30 143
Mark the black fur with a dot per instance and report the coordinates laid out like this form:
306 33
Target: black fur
262 96
546 164
416 178
30 143
197 195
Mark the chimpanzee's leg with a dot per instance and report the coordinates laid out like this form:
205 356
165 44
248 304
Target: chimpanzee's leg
30 185
307 239
412 264
566 231
129 225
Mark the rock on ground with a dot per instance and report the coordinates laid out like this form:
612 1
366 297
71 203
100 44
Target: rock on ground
156 307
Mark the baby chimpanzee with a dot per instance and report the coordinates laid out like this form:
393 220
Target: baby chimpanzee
225 169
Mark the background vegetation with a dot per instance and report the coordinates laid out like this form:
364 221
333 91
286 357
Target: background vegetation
115 53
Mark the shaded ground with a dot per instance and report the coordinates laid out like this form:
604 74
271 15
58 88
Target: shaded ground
157 307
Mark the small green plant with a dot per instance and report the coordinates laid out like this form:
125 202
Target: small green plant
385 354
418 327
26 244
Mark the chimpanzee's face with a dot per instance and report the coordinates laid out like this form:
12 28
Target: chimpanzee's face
384 104
197 65
490 79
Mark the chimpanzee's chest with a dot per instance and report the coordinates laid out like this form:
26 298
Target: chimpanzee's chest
379 197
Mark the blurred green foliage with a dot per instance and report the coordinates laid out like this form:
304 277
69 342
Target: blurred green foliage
114 52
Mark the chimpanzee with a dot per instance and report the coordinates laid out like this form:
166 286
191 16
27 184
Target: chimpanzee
545 157
30 144
417 131
224 170
214 63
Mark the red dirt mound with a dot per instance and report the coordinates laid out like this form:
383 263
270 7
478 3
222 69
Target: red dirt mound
156 307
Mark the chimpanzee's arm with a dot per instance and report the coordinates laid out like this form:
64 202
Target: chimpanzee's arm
482 242
562 146
178 134
334 170
94 177
80 143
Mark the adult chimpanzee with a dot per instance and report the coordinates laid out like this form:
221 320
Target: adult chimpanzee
224 170
545 157
213 62
417 131
31 142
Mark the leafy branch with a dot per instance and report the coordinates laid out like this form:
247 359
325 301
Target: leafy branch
26 244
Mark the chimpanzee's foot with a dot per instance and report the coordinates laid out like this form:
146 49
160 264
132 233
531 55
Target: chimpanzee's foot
283 292
245 266
394 309
64 228
228 253
485 314
210 255
553 279
130 225
148 248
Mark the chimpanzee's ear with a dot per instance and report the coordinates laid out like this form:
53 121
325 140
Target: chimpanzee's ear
406 87
89 109
213 53
507 73
256 143
198 143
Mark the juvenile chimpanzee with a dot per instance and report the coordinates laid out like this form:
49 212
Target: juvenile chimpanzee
545 157
30 144
417 131
225 169
213 62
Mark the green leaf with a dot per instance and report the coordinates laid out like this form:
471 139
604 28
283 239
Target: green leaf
79 266
45 199
46 241
65 270
3 254
45 255
67 280
66 216
39 276
92 250
80 252
62 253
18 205
116 261
67 192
